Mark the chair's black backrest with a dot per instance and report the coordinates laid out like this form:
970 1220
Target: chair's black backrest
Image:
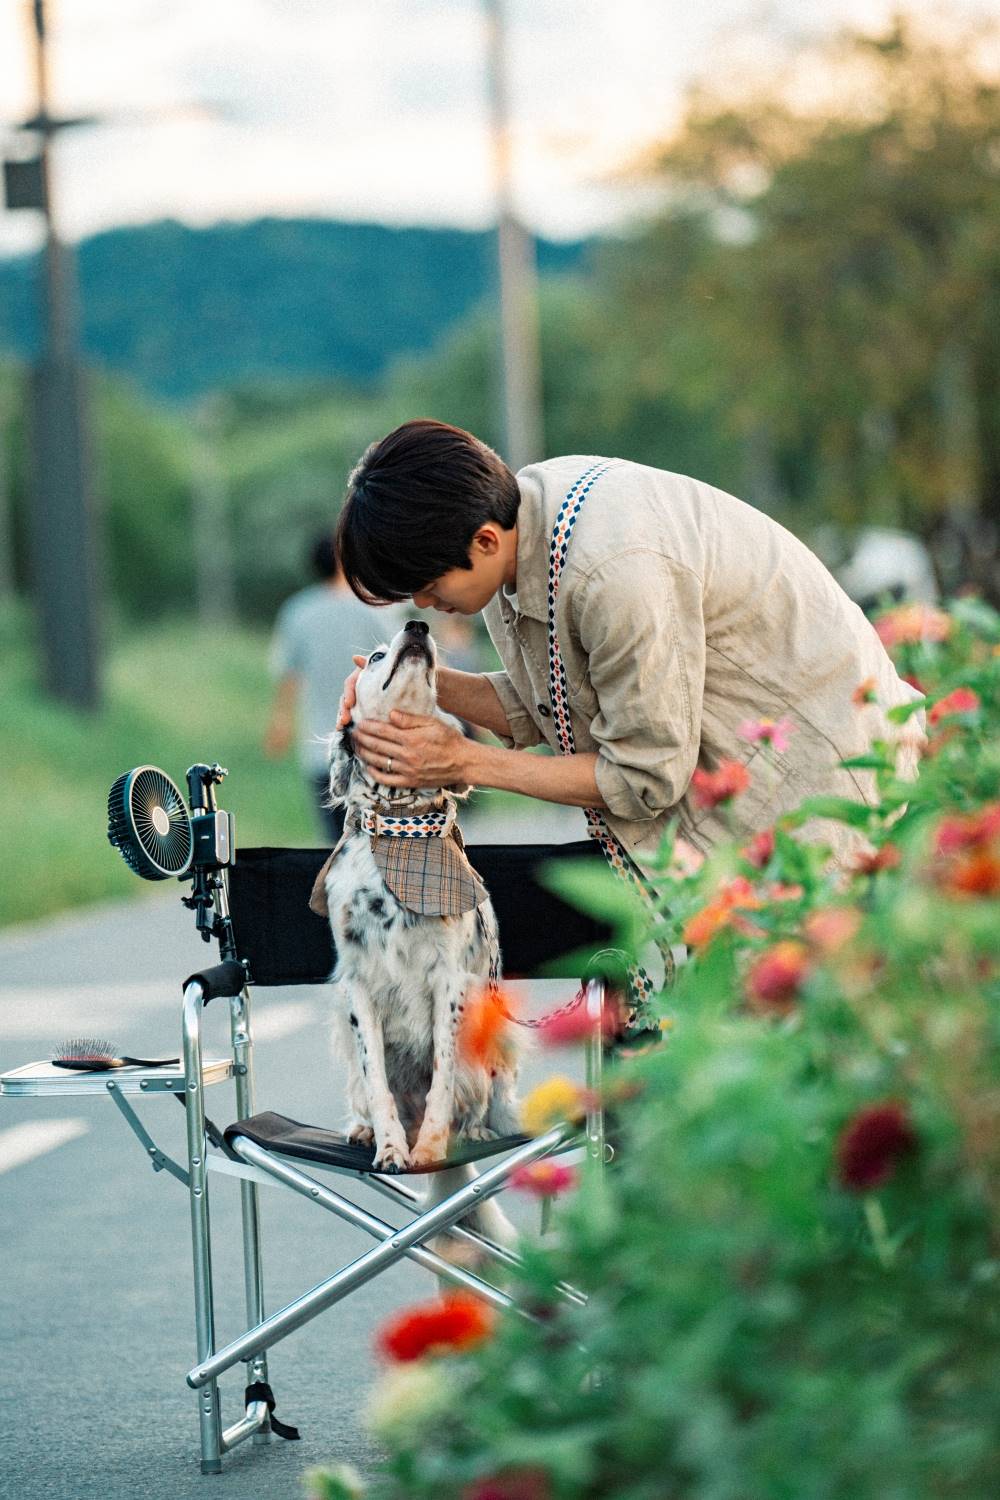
286 943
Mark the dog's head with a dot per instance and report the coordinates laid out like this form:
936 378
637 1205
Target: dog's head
403 675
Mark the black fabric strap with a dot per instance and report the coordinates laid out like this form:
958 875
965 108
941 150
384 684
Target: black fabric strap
213 1132
261 1391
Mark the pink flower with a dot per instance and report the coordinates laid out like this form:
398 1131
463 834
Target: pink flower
909 623
510 1484
543 1179
830 928
774 732
760 849
962 701
713 787
559 1030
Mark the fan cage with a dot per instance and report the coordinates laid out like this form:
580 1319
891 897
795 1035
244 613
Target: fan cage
150 825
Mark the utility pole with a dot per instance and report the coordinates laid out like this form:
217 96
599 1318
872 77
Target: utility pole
520 362
63 532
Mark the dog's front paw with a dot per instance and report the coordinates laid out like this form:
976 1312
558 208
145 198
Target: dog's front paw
391 1156
431 1147
360 1134
477 1131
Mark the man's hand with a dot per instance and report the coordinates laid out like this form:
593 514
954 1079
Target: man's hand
349 697
423 750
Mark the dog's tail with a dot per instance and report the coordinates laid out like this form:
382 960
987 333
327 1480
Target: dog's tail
487 1219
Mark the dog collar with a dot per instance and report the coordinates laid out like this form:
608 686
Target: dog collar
431 825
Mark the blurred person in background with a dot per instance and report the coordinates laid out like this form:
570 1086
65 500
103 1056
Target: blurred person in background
316 634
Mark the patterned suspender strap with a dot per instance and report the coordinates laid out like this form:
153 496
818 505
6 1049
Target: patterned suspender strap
640 984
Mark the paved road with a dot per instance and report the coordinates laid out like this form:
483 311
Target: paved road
95 1296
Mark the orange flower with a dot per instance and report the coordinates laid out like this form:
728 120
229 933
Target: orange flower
976 874
864 693
482 1033
457 1322
722 911
775 979
722 785
962 701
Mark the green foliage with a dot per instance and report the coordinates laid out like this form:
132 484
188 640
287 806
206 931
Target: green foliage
161 706
781 1304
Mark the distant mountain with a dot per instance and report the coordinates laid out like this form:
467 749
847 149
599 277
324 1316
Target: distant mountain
184 310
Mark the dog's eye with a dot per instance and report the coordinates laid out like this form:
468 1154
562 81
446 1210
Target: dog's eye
375 656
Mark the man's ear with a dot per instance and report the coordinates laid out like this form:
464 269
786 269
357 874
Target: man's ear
341 762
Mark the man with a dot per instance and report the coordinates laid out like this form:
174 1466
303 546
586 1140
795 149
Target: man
681 614
315 632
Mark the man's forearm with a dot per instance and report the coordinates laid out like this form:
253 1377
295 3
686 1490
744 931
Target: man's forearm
568 779
471 696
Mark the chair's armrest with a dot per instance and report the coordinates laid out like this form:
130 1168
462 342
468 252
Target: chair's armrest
222 979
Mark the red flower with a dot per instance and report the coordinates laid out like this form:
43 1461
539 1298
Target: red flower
969 849
713 787
760 849
962 701
458 1321
543 1179
512 1484
871 1146
886 858
775 979
971 831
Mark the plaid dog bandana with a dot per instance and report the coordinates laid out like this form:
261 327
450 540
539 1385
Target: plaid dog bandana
428 873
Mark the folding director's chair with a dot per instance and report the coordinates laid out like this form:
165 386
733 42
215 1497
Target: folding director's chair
257 908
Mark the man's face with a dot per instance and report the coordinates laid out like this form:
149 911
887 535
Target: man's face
465 591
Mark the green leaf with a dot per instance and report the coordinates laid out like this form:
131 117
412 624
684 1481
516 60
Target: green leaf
868 763
840 809
904 711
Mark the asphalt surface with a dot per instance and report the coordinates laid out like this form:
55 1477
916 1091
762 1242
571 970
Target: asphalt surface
96 1305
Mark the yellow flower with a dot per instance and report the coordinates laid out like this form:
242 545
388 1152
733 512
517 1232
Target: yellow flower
408 1400
553 1101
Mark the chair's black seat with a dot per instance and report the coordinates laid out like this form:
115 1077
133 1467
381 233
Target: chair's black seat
289 1137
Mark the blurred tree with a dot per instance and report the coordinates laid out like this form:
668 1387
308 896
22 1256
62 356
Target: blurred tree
838 304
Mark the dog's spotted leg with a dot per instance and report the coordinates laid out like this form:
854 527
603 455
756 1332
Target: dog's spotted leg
448 991
391 1152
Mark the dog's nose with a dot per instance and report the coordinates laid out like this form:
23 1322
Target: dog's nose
418 627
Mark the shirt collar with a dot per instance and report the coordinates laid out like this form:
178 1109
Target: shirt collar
532 556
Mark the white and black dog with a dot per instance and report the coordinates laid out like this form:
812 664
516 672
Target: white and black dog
403 977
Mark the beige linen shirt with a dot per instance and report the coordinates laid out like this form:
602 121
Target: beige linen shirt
682 612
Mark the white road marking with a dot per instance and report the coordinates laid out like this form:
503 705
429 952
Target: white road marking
22 1143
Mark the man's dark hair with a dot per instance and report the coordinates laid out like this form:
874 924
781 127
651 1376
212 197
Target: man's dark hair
414 503
323 556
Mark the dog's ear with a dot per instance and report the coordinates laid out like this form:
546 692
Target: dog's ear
341 762
460 789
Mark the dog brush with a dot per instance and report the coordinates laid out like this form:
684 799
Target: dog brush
90 1056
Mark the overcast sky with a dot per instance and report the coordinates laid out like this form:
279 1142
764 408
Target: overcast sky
375 109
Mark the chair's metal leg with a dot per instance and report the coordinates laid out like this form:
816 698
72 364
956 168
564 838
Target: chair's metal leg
201 1241
253 1275
370 1265
594 1073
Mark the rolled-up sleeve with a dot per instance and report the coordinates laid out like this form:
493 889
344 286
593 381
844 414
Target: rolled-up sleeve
639 619
523 729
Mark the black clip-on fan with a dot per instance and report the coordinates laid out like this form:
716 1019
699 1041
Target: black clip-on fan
150 826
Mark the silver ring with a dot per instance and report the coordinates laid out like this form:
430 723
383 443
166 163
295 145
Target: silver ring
388 766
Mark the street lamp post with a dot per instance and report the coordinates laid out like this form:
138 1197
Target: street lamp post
63 530
520 361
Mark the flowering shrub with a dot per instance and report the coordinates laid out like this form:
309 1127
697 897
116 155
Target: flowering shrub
793 1265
